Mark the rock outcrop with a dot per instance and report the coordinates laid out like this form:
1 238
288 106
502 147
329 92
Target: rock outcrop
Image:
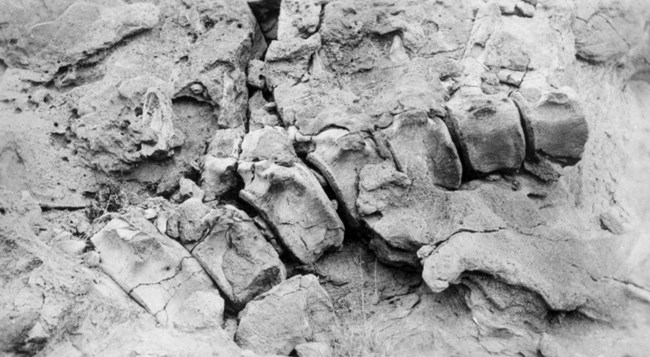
488 130
324 178
238 258
293 202
555 125
160 275
293 313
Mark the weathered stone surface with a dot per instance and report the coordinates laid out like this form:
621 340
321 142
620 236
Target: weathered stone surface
355 33
191 221
362 101
238 258
304 101
488 131
160 275
298 19
287 62
187 189
269 143
152 135
607 33
293 202
292 313
404 213
340 155
261 112
555 124
219 166
219 176
29 162
334 117
313 349
524 9
512 42
416 87
157 119
81 31
267 13
509 257
422 148
255 74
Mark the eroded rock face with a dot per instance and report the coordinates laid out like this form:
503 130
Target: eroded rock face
292 313
606 33
406 213
439 136
191 221
219 173
160 275
340 155
298 19
238 258
83 30
268 144
293 202
555 124
488 131
422 147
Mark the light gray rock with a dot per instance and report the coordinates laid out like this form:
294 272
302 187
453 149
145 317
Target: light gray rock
83 30
508 256
340 155
255 77
357 37
405 214
488 131
314 349
287 62
293 202
306 100
268 143
554 123
295 312
298 19
187 189
607 34
219 174
423 149
334 117
160 275
238 258
191 221
158 123
261 112
525 9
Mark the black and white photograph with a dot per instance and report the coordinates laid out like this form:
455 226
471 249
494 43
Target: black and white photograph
325 178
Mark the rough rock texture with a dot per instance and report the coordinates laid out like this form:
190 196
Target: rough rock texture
82 30
293 202
55 305
160 275
555 124
462 178
292 313
605 32
406 213
422 147
220 164
340 155
488 130
238 258
190 222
